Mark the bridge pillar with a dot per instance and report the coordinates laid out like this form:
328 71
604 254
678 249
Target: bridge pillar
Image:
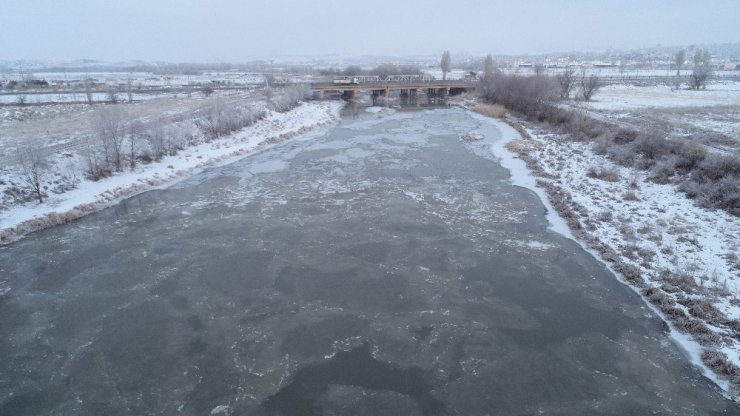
431 96
318 95
404 97
414 95
348 95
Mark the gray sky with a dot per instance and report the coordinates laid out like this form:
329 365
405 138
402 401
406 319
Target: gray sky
233 30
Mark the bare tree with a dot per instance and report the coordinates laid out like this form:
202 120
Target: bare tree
207 90
112 95
129 91
110 125
34 167
88 90
445 64
539 68
95 165
566 79
217 119
680 59
134 131
385 70
157 140
702 69
589 86
488 66
210 119
352 70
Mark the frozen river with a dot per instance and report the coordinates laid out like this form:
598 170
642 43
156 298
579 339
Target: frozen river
380 266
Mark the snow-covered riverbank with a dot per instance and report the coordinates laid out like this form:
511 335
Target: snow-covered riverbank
681 258
91 196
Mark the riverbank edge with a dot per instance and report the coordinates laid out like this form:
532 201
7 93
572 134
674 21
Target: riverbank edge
523 168
239 145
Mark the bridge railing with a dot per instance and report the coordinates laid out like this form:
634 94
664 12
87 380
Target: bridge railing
365 79
409 78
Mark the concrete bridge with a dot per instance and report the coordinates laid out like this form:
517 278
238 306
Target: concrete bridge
410 86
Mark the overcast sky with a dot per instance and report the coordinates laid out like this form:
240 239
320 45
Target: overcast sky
241 30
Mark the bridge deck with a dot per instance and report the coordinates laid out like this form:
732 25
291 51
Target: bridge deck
392 85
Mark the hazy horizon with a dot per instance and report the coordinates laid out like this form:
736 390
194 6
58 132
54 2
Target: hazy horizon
232 30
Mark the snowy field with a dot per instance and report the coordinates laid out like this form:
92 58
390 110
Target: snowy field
69 124
653 231
626 97
144 79
710 117
90 196
97 97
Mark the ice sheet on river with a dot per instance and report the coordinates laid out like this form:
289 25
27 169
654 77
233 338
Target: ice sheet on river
386 265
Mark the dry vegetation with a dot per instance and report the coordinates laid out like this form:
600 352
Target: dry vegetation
712 180
491 110
120 139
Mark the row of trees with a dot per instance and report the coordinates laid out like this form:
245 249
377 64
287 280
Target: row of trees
120 140
528 93
382 70
568 80
385 70
702 70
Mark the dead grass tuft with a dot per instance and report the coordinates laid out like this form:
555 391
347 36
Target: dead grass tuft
491 110
608 174
719 363
630 196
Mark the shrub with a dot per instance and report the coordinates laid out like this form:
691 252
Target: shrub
698 329
704 310
682 280
716 167
603 143
630 196
624 136
657 297
631 273
608 174
605 216
217 119
652 144
662 171
689 156
527 95
718 362
622 155
495 110
580 126
722 194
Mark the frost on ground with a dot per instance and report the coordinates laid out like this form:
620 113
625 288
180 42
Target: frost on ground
89 196
682 258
